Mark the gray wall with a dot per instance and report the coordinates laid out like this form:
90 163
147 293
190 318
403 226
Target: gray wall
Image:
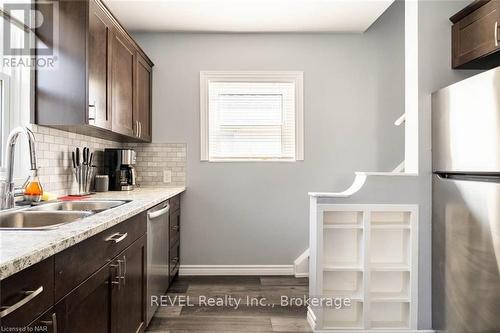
257 213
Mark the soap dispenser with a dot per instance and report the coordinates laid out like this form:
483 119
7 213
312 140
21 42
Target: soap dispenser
33 190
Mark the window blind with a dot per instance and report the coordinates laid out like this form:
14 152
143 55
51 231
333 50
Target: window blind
251 120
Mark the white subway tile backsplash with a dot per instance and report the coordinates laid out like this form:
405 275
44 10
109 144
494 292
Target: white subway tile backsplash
54 149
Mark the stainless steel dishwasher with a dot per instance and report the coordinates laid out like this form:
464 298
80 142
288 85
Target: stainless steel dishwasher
157 270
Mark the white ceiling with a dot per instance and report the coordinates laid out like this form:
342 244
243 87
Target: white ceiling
248 15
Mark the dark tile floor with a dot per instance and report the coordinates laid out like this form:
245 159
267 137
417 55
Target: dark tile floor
260 308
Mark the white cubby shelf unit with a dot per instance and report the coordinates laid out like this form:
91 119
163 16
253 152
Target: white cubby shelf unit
368 253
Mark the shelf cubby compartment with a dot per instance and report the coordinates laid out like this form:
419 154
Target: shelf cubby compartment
381 219
342 219
386 286
390 249
344 284
389 315
344 318
343 248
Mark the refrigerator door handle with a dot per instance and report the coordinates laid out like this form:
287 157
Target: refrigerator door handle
477 177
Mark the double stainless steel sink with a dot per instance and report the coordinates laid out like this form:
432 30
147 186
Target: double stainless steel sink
51 215
94 206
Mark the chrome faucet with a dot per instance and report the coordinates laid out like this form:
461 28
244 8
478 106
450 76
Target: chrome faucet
7 188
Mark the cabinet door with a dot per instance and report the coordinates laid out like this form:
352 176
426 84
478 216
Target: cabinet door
128 310
476 35
122 84
100 30
87 308
143 97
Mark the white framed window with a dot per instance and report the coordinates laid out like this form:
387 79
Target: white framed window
4 111
251 116
15 100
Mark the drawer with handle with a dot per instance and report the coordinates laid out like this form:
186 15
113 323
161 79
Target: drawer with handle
26 295
75 264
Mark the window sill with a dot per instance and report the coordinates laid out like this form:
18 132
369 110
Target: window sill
252 160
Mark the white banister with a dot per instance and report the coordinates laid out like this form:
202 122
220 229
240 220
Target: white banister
400 120
358 183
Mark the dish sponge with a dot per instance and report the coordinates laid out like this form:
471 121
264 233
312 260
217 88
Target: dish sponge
47 196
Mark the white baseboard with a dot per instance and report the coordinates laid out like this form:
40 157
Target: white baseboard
186 270
301 275
301 264
391 330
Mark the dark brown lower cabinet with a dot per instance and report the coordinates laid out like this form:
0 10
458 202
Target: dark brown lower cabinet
112 299
128 299
87 308
174 237
98 285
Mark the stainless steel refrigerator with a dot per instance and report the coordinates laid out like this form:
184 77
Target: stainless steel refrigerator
466 206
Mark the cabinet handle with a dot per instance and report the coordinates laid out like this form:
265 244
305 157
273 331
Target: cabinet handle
140 129
496 33
175 227
92 112
123 272
117 276
136 128
117 238
52 323
29 296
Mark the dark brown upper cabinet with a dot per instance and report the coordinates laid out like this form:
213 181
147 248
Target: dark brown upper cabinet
142 111
122 85
93 87
475 36
100 32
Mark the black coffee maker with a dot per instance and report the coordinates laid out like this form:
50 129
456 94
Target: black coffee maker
119 166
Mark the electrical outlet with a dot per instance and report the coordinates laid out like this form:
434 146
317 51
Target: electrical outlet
167 176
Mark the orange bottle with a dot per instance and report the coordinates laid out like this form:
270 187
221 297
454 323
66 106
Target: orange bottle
33 190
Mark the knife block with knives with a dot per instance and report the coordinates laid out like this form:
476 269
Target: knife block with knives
83 170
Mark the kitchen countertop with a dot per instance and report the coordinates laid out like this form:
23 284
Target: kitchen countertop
20 249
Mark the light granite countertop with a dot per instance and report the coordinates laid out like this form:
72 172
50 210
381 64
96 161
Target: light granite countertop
20 249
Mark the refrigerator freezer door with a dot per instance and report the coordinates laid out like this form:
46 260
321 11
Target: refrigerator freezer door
466 125
466 256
